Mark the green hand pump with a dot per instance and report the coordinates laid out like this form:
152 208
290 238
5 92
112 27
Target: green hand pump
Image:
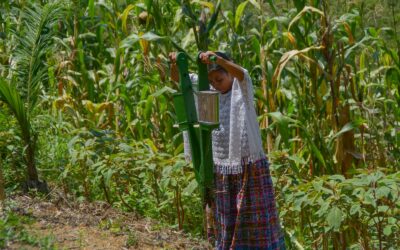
199 131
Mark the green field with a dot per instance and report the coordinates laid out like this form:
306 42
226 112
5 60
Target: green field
86 108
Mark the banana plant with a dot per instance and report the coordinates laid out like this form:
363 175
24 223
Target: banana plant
33 36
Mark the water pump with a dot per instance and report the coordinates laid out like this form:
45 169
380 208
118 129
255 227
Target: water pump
198 120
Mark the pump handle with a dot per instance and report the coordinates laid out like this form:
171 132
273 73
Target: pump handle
212 58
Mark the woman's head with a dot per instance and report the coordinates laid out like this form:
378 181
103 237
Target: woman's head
219 78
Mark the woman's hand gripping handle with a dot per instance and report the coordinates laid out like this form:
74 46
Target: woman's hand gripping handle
174 67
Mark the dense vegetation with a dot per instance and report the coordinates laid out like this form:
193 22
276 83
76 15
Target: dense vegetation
86 106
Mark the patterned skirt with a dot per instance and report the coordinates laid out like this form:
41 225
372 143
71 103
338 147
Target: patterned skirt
244 215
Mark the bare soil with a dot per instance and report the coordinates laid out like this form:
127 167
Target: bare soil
95 225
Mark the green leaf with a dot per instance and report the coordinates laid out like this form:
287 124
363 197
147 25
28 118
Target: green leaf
369 198
178 165
148 107
271 4
150 36
282 122
255 4
392 221
305 10
387 230
318 185
383 208
107 177
91 8
382 192
34 40
323 209
279 117
167 171
348 127
190 188
355 209
337 177
129 41
317 153
206 4
125 147
152 166
335 218
163 90
125 15
213 18
239 13
10 95
179 149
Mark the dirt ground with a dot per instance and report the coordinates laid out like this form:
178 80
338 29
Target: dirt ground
84 225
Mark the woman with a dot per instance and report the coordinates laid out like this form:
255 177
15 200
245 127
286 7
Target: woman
245 215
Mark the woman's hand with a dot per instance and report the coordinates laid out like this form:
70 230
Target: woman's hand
172 57
174 68
206 57
232 68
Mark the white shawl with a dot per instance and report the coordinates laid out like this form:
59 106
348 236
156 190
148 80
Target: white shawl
238 139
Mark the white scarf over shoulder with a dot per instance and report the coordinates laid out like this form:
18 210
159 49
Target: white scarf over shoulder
237 141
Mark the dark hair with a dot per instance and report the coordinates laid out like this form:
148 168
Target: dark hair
216 67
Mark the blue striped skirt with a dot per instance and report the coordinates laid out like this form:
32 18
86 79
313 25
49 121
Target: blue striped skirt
244 214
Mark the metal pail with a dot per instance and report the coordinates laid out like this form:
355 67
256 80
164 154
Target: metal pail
208 106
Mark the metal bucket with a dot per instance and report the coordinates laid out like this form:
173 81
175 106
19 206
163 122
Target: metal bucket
208 106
